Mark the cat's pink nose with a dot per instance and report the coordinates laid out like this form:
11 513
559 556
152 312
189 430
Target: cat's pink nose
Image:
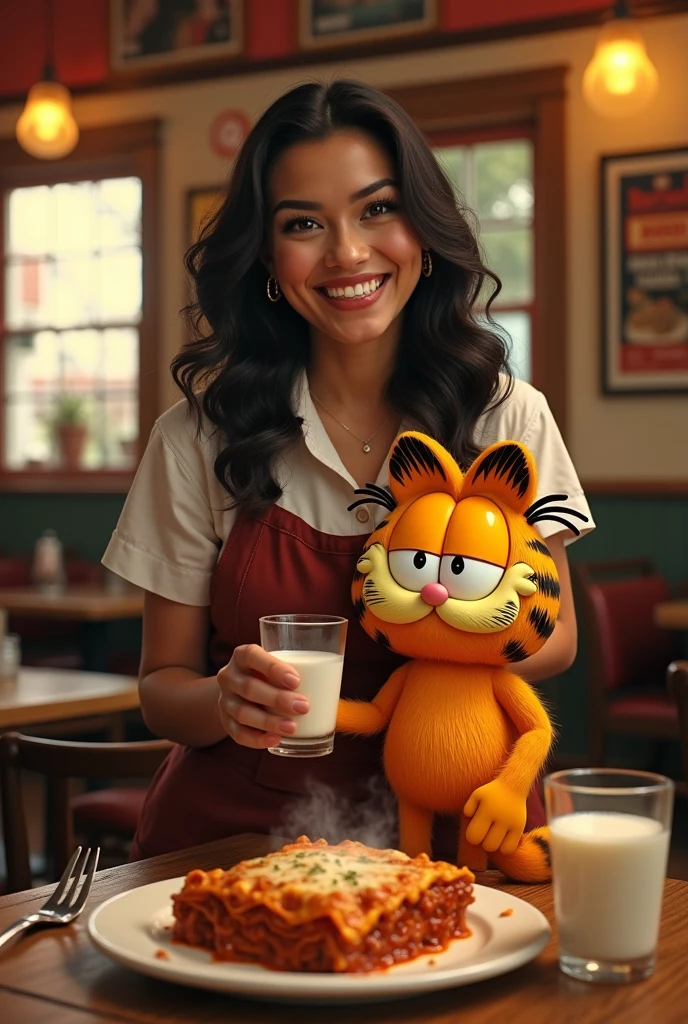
434 594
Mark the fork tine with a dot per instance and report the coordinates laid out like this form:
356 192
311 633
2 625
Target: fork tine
64 903
79 902
66 875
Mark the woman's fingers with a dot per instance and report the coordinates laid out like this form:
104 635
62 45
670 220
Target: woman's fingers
257 697
252 716
250 658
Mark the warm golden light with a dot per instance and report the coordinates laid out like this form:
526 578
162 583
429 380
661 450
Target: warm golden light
46 127
620 80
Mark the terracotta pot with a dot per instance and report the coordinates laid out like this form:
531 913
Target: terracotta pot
71 441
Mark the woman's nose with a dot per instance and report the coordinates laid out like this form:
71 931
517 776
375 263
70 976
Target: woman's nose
434 594
347 250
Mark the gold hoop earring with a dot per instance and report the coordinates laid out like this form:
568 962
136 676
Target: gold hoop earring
426 265
273 289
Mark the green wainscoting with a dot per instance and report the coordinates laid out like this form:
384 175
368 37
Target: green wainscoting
626 526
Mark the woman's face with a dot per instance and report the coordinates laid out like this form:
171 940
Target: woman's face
339 244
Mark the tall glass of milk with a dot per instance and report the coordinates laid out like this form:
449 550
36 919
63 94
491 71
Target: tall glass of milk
314 646
609 840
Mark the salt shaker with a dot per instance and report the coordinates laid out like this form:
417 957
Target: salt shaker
48 566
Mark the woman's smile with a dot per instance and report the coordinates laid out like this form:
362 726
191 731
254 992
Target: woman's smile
351 294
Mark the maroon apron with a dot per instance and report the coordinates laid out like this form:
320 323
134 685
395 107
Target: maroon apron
271 565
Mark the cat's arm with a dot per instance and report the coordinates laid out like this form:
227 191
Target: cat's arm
360 717
498 809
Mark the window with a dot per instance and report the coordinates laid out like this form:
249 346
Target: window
493 174
78 323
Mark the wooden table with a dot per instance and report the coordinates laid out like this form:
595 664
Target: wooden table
54 695
671 614
60 967
90 605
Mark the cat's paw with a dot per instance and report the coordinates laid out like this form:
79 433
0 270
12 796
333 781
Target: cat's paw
498 817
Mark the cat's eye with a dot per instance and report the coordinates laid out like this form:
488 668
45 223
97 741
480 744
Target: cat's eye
469 579
413 569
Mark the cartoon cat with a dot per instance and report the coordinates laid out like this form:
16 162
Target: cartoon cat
457 578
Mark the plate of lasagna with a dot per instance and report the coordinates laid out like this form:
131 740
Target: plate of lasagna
323 923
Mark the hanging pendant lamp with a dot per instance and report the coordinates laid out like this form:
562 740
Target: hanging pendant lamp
46 127
620 80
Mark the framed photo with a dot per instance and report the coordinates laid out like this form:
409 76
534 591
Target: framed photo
644 234
341 22
154 34
200 204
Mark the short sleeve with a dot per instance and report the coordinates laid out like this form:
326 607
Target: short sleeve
166 539
556 472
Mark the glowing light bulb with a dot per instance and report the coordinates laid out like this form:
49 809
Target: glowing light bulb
620 80
46 127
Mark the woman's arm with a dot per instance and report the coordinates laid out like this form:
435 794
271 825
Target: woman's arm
558 652
250 699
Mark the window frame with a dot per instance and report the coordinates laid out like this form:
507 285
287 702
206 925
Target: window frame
130 149
535 100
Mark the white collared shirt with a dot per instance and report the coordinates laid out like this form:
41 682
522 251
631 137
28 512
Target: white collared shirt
175 520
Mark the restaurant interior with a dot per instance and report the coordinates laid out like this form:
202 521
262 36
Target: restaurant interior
118 128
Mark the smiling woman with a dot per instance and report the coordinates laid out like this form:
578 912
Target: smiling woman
335 307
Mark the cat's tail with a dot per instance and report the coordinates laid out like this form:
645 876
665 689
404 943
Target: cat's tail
530 861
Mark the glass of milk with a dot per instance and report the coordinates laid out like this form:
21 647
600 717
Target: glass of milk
609 840
314 646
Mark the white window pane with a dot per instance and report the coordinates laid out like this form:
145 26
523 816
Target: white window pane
504 179
119 291
28 221
119 212
32 363
72 286
516 329
27 293
509 254
74 217
120 357
28 443
81 359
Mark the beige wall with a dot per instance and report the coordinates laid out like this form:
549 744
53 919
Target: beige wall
610 438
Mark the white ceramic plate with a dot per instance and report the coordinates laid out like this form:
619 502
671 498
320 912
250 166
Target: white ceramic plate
132 927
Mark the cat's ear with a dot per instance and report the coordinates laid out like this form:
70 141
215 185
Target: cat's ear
506 472
419 465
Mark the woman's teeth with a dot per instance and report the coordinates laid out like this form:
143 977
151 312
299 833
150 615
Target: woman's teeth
355 291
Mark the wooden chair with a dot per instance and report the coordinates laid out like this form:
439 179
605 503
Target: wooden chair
627 654
110 810
677 684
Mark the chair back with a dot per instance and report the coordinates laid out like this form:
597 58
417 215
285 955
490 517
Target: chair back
677 683
626 648
59 761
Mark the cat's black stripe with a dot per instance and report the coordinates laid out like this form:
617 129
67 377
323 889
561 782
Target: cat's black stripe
383 639
538 546
359 607
411 455
547 585
385 522
514 651
541 622
357 575
509 461
544 846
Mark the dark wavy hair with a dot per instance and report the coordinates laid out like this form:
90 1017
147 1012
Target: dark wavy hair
241 367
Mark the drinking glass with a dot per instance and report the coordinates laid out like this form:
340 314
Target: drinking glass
609 840
314 646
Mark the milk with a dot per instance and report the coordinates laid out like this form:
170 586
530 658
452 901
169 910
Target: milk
321 680
608 874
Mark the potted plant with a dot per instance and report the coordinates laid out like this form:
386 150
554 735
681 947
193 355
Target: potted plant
69 422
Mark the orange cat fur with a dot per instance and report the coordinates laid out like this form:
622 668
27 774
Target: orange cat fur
457 578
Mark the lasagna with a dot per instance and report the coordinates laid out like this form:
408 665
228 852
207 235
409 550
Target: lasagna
315 907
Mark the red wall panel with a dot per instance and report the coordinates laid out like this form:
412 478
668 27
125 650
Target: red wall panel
458 15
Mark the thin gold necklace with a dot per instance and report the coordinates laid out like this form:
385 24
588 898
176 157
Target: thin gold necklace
365 441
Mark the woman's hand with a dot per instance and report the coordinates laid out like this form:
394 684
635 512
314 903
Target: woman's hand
257 697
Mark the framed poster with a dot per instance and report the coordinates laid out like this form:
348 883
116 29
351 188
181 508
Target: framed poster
340 22
644 229
155 34
200 203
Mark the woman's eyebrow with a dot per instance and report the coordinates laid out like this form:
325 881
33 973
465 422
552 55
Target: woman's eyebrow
305 204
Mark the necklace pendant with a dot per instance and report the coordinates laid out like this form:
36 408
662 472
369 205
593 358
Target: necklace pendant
366 448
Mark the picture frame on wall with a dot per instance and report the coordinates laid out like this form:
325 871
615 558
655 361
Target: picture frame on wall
200 204
324 23
644 254
167 34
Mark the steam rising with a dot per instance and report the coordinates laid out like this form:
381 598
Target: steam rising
323 813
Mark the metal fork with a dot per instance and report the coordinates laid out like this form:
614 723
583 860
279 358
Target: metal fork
67 901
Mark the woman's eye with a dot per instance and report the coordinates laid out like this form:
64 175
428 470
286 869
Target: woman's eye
468 579
413 569
380 207
299 224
